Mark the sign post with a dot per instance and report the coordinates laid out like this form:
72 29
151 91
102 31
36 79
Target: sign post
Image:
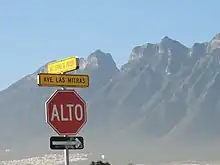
66 150
66 156
65 110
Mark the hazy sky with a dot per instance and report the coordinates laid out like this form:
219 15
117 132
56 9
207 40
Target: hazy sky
33 32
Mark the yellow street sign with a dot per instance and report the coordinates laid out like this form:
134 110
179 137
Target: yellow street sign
64 65
63 80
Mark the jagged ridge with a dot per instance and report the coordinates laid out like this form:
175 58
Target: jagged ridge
165 91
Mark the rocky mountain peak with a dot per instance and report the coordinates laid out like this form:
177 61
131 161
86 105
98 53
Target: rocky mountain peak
99 55
82 63
100 59
167 56
147 49
167 44
167 39
214 43
217 37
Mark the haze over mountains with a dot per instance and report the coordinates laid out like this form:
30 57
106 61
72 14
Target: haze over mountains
166 92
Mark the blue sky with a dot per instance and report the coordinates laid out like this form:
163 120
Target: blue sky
33 32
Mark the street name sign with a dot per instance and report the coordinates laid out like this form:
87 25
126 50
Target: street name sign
64 65
66 112
63 80
61 143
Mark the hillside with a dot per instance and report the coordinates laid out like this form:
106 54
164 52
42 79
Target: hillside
166 91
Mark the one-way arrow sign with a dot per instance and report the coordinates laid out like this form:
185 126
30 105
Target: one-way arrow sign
61 143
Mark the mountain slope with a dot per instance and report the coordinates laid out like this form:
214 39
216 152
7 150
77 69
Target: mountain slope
165 91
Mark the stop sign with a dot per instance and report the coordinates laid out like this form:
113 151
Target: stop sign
66 112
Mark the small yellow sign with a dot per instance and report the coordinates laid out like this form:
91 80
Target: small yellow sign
64 65
63 80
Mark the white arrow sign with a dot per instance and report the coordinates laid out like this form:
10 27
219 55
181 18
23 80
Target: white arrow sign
76 143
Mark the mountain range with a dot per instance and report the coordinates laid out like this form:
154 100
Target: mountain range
165 92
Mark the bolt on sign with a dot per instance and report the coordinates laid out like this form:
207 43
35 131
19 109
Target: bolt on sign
67 80
64 65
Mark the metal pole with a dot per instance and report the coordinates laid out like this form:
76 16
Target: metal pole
66 151
66 156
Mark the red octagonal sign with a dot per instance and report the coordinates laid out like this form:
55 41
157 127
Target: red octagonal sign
66 112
